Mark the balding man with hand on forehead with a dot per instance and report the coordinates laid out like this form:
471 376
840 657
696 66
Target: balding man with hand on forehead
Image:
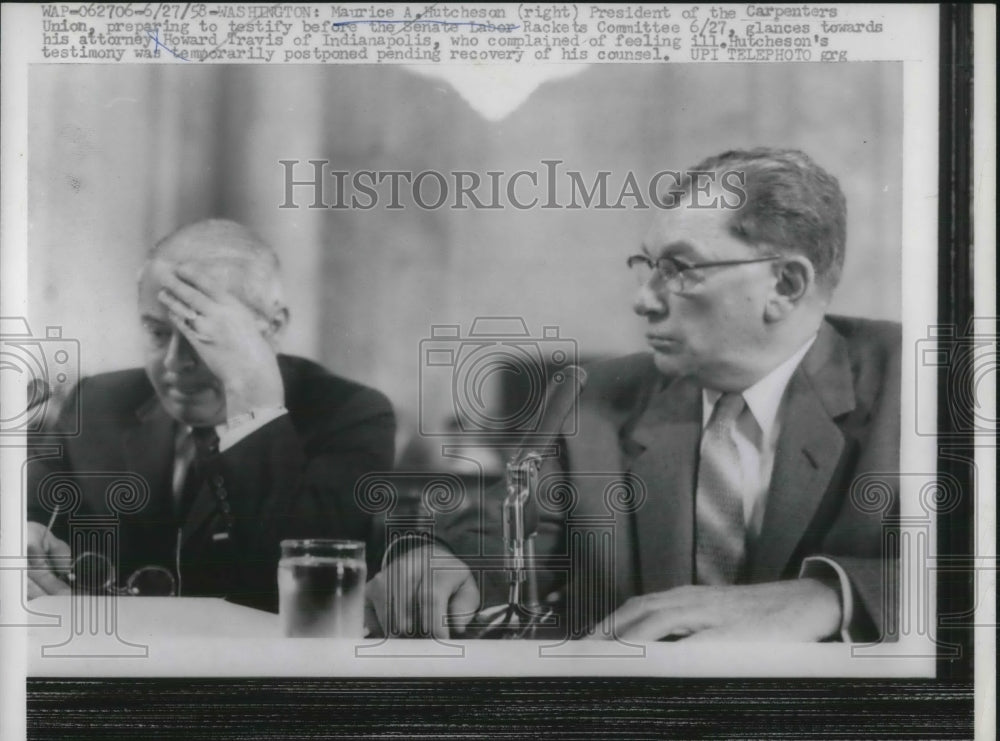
240 446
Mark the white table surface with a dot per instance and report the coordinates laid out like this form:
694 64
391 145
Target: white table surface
172 636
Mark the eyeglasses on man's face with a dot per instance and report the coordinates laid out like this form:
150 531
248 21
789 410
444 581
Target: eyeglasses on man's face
677 275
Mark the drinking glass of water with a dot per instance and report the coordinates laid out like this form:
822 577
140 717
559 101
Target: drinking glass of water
321 588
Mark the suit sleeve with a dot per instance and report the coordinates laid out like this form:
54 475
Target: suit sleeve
48 454
859 542
283 485
874 586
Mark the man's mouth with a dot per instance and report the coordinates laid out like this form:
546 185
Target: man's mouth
662 342
187 391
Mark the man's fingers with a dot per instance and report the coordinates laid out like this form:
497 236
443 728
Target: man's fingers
47 559
34 590
624 617
435 606
178 304
37 557
447 586
395 599
402 594
60 558
654 626
464 604
47 582
186 329
185 292
189 322
420 599
45 551
200 282
661 614
375 605
726 633
56 547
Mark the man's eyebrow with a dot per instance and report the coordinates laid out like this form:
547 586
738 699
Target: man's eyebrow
679 245
149 319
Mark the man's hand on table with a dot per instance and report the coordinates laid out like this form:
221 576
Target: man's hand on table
794 610
229 337
48 557
405 605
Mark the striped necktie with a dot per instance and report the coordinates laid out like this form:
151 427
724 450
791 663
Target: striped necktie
720 530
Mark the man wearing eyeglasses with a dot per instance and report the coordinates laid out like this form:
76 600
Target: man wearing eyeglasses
227 446
744 431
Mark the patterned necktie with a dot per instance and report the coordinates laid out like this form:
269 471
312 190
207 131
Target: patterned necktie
204 442
720 530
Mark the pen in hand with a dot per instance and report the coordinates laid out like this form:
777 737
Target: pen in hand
68 577
48 530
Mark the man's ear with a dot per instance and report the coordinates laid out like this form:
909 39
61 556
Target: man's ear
276 324
794 279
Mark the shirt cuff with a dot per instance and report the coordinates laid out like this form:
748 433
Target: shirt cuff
234 430
821 567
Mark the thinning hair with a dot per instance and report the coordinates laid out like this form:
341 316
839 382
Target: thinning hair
792 205
232 254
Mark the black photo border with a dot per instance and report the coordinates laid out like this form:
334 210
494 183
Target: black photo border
559 708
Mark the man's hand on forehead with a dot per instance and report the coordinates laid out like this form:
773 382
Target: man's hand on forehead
188 297
227 335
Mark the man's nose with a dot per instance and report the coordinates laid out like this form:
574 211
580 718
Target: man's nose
180 355
649 301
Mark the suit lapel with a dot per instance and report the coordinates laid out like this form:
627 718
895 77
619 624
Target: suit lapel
205 504
667 437
809 447
149 452
202 509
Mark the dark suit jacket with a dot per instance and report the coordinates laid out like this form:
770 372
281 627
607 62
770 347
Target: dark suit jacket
629 469
292 478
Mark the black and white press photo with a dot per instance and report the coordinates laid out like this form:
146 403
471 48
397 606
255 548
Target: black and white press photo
462 340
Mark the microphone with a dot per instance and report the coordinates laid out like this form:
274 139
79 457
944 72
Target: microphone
560 401
523 614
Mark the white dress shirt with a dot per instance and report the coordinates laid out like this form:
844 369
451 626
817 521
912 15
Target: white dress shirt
229 432
756 435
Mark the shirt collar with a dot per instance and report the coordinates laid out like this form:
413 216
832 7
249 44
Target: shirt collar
764 397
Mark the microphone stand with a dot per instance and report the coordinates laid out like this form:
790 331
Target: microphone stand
524 616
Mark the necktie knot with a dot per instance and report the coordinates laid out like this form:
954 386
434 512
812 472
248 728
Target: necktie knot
727 409
206 442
